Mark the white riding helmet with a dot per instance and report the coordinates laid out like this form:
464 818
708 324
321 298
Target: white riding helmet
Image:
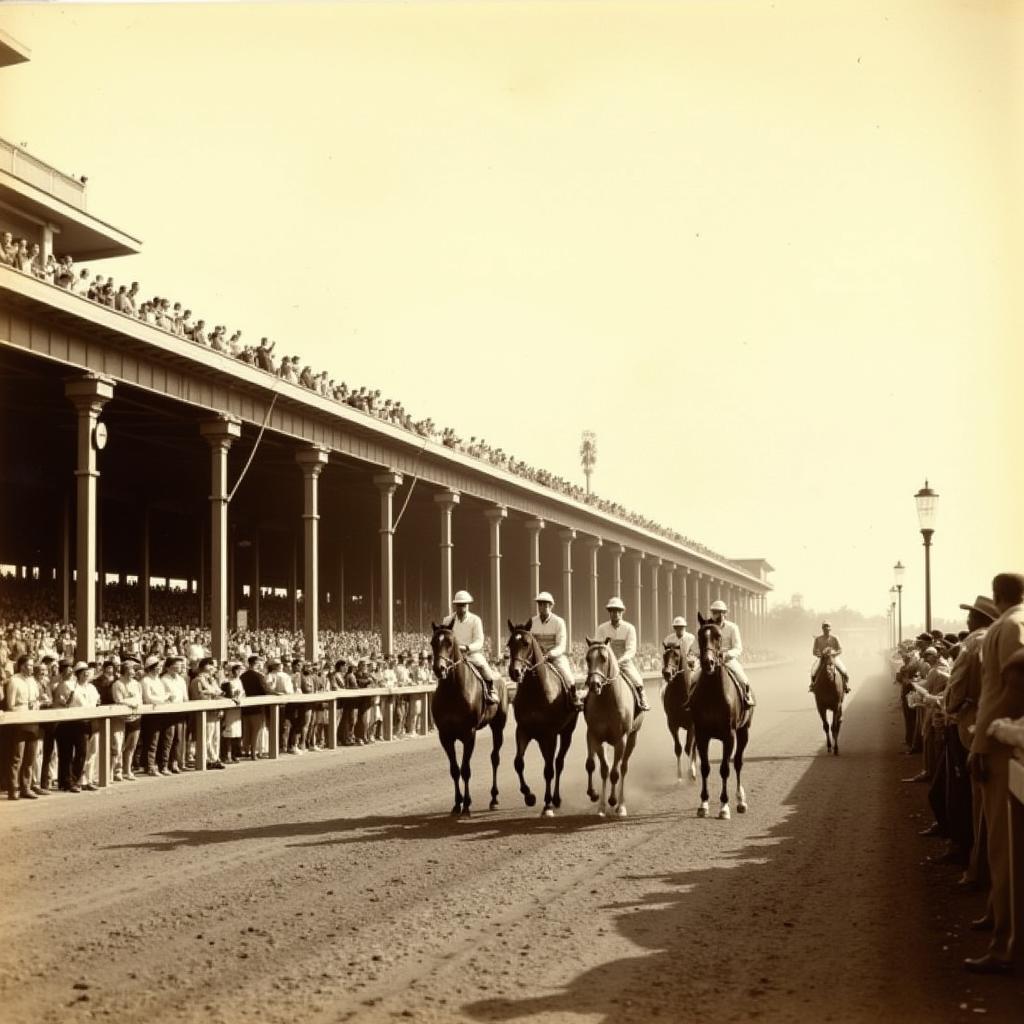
615 602
679 621
719 606
462 597
544 596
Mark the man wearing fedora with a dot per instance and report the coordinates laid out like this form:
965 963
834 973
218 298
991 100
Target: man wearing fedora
962 798
1002 695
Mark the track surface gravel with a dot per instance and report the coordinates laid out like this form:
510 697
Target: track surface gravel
336 887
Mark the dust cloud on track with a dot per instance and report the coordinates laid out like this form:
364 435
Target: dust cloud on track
336 887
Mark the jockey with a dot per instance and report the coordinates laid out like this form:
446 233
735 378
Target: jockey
469 635
622 635
682 638
549 629
732 646
827 642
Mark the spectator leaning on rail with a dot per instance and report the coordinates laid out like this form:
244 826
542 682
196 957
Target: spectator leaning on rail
828 642
1002 695
468 632
204 686
124 732
622 637
22 694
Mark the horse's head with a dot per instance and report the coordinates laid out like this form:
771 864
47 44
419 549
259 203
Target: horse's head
602 666
444 649
522 651
709 636
671 661
828 656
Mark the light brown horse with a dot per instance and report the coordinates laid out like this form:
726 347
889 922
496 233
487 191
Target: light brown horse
675 670
718 714
459 710
828 696
544 712
609 712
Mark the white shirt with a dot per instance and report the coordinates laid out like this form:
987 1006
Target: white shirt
622 637
468 632
550 635
732 645
688 642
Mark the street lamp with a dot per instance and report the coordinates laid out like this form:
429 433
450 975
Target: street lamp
898 572
927 501
892 614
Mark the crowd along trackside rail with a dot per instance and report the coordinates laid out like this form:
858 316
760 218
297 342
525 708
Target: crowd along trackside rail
198 710
1012 733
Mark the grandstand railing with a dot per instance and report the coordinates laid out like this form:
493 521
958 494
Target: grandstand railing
24 165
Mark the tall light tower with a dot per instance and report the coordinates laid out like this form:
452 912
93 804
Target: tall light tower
588 454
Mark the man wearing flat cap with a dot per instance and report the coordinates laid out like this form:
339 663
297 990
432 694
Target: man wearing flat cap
1002 695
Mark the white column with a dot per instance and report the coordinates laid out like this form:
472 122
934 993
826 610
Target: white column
635 614
593 545
495 516
311 461
387 483
88 395
617 550
655 624
446 502
567 536
220 434
670 593
533 528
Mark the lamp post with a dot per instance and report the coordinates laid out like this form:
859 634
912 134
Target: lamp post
898 572
892 616
927 500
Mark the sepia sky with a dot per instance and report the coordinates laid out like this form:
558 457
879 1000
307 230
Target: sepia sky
772 253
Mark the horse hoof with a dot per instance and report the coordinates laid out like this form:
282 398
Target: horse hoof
621 812
724 815
465 812
556 801
679 780
836 751
702 811
593 797
547 813
530 799
612 801
741 808
456 810
693 774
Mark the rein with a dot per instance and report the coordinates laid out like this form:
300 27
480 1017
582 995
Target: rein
591 673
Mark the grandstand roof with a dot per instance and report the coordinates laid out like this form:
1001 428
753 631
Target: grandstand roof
11 51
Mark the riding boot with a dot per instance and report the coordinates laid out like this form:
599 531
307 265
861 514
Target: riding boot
489 695
641 698
846 683
750 697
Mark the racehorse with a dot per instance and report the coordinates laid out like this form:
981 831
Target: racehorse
544 712
718 714
828 695
609 709
459 710
676 671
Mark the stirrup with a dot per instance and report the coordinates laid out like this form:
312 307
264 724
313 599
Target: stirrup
490 697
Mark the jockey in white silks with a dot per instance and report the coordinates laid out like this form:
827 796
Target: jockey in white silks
549 629
682 638
732 647
622 640
468 631
828 642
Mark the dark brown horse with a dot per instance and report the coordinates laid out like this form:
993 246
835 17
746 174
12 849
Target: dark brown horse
609 710
718 714
544 712
675 670
828 695
459 710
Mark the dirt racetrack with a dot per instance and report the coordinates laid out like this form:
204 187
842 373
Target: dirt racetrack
335 887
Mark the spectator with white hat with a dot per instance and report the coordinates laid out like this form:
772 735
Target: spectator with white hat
468 631
622 639
549 629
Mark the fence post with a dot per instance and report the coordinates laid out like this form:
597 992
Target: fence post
199 728
274 739
103 745
332 724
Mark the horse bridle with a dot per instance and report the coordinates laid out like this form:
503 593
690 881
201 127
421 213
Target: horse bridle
596 672
449 663
526 665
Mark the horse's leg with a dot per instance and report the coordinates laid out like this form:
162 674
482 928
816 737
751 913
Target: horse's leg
823 715
837 721
497 737
691 752
564 742
602 807
728 745
617 748
673 728
522 742
467 755
705 770
591 750
742 735
630 744
448 742
547 749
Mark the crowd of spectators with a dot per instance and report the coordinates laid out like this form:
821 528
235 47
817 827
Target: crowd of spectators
960 694
176 319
